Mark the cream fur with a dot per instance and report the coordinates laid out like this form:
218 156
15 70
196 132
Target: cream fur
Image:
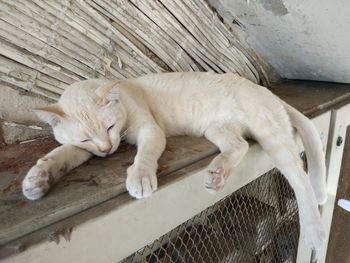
225 108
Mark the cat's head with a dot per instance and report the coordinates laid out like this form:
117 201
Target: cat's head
88 117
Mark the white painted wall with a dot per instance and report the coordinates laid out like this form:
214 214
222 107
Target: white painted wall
300 39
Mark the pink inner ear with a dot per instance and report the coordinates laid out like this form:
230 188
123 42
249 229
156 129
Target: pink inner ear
51 114
103 90
113 94
54 108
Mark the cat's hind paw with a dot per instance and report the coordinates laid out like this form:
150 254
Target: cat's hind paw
314 236
321 196
215 180
140 182
36 183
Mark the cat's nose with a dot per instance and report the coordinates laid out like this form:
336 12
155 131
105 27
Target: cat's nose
105 148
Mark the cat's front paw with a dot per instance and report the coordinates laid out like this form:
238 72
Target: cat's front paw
36 183
141 182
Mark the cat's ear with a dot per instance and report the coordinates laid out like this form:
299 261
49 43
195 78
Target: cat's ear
108 92
51 114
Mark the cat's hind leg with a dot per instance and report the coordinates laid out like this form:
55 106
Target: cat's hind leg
233 148
279 144
50 168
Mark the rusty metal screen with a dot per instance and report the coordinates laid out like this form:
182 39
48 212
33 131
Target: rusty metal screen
257 223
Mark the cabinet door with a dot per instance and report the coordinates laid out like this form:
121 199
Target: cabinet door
340 120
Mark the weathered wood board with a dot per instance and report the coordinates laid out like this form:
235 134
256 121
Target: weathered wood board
95 182
312 97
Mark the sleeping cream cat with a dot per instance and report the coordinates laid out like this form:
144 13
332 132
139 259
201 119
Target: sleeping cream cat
93 116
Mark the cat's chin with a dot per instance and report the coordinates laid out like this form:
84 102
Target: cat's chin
102 154
99 154
114 148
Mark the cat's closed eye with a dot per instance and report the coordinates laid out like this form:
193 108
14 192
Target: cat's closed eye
86 140
110 127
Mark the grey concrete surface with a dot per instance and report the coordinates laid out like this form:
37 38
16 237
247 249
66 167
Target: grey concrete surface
17 120
299 39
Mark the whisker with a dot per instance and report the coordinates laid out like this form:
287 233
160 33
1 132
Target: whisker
124 133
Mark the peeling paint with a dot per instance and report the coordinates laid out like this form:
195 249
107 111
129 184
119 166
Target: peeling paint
18 248
277 7
299 39
54 237
67 234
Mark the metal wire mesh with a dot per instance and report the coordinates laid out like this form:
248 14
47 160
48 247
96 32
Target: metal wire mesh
257 223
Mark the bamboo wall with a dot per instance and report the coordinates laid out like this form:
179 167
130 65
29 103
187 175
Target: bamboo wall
47 44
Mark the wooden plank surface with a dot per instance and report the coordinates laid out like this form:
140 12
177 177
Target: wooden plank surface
96 181
102 179
312 97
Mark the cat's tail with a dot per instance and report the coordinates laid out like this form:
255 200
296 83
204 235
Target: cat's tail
314 151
